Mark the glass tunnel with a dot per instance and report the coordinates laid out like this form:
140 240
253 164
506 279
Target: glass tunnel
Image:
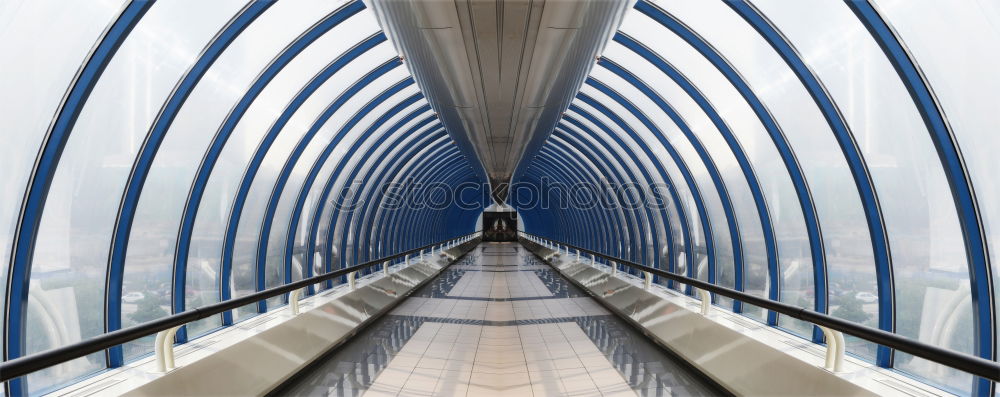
163 156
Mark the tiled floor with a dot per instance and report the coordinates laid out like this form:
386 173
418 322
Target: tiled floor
499 322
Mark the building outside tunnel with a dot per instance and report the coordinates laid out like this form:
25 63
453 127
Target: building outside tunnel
749 197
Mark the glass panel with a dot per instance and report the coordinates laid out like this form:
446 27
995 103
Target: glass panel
618 249
749 224
903 162
637 218
775 182
699 172
363 184
287 140
955 47
71 253
150 258
213 213
279 229
344 241
41 66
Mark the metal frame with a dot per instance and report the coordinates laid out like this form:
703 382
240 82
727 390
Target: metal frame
763 212
770 125
958 177
36 193
146 155
221 138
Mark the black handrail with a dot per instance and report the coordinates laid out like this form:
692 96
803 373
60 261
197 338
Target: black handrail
961 361
25 365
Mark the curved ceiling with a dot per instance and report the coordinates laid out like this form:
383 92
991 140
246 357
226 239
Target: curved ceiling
836 155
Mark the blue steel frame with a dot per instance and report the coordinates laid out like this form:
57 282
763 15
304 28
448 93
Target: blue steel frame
144 162
674 155
226 129
341 163
426 175
550 164
437 134
441 151
576 215
682 216
713 170
416 216
349 225
406 167
558 156
770 243
958 177
848 145
317 166
770 125
324 195
556 166
22 252
632 217
450 157
580 158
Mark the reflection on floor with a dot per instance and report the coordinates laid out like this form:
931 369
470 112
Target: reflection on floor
499 322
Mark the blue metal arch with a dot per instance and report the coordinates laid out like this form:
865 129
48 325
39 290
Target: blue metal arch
395 166
678 204
406 154
411 217
276 193
593 236
564 219
258 158
341 163
577 142
958 177
327 189
763 212
29 218
571 149
438 151
637 225
431 175
848 145
674 155
403 166
147 153
226 129
770 125
581 220
575 217
437 216
575 148
450 156
713 170
350 214
554 157
446 154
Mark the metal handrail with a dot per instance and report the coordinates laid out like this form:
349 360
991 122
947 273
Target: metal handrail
961 361
25 365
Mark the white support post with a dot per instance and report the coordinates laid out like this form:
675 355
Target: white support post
351 281
406 260
706 302
385 268
593 261
834 349
293 302
578 255
614 268
164 349
649 279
